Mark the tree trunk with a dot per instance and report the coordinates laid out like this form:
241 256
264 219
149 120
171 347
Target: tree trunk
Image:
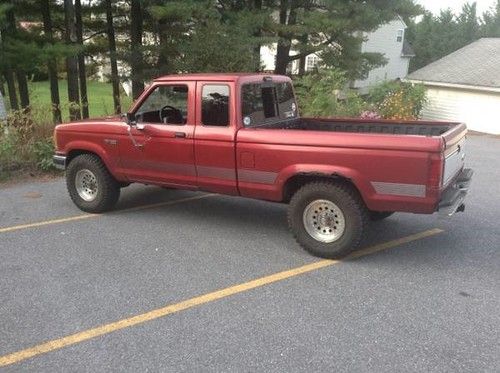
81 60
20 74
52 64
71 62
115 79
136 46
11 87
287 16
24 94
257 5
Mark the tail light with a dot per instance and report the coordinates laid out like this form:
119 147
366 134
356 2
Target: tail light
436 171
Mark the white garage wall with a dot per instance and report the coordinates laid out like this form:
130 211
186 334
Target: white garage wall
479 110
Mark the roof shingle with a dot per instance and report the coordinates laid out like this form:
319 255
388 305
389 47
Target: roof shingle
475 64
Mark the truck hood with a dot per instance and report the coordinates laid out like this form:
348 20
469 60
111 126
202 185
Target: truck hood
109 124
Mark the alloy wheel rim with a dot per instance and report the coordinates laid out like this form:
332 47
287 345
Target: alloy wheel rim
86 185
324 221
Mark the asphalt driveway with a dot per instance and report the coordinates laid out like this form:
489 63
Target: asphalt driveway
184 281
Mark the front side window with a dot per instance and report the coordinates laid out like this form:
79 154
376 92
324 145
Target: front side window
215 105
265 103
167 104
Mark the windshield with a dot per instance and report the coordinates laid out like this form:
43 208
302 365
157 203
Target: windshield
267 102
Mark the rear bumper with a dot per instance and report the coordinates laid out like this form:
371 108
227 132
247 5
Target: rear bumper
452 199
59 161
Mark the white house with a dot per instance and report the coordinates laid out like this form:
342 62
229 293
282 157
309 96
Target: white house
388 39
465 86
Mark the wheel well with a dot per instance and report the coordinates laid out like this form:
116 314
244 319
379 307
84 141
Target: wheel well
293 184
75 153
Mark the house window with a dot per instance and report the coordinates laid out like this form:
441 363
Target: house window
311 62
399 37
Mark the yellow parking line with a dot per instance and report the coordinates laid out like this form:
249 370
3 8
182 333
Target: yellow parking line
88 216
85 335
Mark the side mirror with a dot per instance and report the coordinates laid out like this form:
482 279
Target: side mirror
131 119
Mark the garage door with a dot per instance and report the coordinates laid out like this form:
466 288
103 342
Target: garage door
480 111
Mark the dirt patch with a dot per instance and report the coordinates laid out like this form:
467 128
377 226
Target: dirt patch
26 176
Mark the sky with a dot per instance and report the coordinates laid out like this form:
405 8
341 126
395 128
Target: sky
456 5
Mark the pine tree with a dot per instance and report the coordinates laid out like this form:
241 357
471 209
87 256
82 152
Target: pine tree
115 79
136 57
71 62
51 64
82 71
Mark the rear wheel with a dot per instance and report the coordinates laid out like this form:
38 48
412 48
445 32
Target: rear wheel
327 219
90 185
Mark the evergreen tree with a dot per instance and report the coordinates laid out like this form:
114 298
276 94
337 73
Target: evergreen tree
82 71
115 79
136 56
45 7
490 26
71 61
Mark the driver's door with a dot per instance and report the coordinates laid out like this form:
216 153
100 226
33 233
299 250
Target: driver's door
162 138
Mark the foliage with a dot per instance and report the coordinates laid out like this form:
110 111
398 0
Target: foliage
398 100
26 136
437 36
44 150
325 93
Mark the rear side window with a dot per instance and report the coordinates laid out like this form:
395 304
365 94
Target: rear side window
215 105
264 103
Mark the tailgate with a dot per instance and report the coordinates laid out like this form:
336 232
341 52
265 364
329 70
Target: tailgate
454 153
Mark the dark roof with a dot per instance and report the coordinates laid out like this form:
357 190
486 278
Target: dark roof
476 64
407 49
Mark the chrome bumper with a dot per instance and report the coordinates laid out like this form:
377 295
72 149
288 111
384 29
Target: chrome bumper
59 161
453 197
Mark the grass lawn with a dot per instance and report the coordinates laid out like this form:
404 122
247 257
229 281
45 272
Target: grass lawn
99 95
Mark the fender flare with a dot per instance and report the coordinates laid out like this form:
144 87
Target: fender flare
86 146
320 170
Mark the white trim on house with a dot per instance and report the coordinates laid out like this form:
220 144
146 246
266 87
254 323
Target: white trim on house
452 85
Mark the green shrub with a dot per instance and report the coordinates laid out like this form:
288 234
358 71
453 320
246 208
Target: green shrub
24 143
324 93
43 150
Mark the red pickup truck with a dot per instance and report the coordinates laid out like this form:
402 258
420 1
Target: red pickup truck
241 135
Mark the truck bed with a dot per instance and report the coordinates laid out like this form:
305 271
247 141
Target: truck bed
350 125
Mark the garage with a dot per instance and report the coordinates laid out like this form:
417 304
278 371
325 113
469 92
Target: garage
464 86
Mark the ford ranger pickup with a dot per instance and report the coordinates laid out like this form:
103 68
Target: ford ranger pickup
241 135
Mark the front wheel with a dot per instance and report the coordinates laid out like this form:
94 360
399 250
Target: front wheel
90 185
327 219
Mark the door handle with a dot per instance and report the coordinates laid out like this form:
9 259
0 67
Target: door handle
180 135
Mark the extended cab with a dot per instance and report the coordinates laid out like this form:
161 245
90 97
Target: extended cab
241 135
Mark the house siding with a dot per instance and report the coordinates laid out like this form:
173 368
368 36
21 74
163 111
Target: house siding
383 40
479 110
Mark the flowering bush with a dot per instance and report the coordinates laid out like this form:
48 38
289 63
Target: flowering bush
325 93
370 114
398 100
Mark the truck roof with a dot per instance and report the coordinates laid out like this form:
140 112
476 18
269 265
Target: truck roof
233 77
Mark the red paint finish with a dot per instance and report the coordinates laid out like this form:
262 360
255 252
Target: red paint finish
392 172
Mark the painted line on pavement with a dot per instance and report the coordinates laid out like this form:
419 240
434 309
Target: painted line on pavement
85 335
89 216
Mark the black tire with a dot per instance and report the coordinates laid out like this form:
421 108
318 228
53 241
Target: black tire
379 215
349 203
108 189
